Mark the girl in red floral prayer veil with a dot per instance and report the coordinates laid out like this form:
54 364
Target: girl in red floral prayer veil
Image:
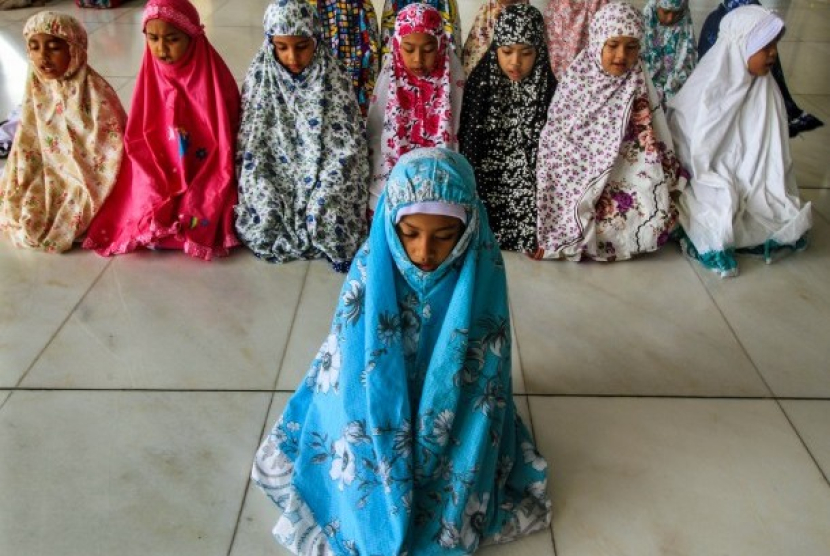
417 98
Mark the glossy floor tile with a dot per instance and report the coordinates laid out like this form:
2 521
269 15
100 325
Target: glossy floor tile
593 328
650 477
811 418
134 390
131 473
219 325
38 293
779 313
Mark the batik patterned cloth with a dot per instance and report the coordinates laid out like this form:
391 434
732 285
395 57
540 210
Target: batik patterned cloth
410 111
351 29
403 437
481 34
301 154
68 148
449 15
567 24
177 186
606 165
746 197
500 126
669 52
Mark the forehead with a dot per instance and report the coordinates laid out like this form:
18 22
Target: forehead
418 39
623 40
518 45
161 27
290 40
45 38
430 222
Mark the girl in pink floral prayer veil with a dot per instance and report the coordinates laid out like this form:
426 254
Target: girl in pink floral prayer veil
417 98
606 167
177 186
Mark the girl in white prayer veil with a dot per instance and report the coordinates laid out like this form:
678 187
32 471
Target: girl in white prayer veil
730 130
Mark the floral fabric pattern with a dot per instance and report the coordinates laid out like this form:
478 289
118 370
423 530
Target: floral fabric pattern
481 34
301 152
501 122
744 199
351 29
567 24
447 9
68 148
410 111
177 186
403 437
669 52
606 165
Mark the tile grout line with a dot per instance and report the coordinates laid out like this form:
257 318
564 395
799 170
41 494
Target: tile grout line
803 442
262 430
732 330
60 327
525 394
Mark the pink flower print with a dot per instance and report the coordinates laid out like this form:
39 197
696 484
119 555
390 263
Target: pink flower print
640 112
624 202
604 207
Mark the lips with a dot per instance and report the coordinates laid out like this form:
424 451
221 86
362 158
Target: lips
426 267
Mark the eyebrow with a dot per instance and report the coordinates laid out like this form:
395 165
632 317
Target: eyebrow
167 35
453 227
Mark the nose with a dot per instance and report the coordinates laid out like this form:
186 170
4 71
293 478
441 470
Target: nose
423 251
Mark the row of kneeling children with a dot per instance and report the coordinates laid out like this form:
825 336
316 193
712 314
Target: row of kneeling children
588 167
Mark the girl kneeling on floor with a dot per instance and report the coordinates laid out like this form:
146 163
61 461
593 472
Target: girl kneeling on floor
177 186
606 166
730 127
404 438
301 153
68 148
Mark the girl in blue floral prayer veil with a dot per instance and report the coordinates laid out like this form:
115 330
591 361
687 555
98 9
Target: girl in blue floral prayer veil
403 438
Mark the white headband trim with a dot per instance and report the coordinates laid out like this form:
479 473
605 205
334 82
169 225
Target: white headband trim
433 207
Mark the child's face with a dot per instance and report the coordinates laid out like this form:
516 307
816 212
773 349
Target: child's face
516 60
293 52
419 52
168 43
428 239
619 54
49 54
668 17
760 63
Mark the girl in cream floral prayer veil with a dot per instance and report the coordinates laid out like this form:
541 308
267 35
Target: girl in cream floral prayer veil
67 152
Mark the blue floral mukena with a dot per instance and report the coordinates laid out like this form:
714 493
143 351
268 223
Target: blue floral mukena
403 439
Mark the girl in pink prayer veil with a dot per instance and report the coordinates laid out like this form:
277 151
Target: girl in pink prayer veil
177 185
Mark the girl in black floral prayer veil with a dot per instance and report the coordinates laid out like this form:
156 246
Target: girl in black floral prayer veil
504 110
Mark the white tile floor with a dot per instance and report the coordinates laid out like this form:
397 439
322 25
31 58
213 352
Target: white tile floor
682 415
